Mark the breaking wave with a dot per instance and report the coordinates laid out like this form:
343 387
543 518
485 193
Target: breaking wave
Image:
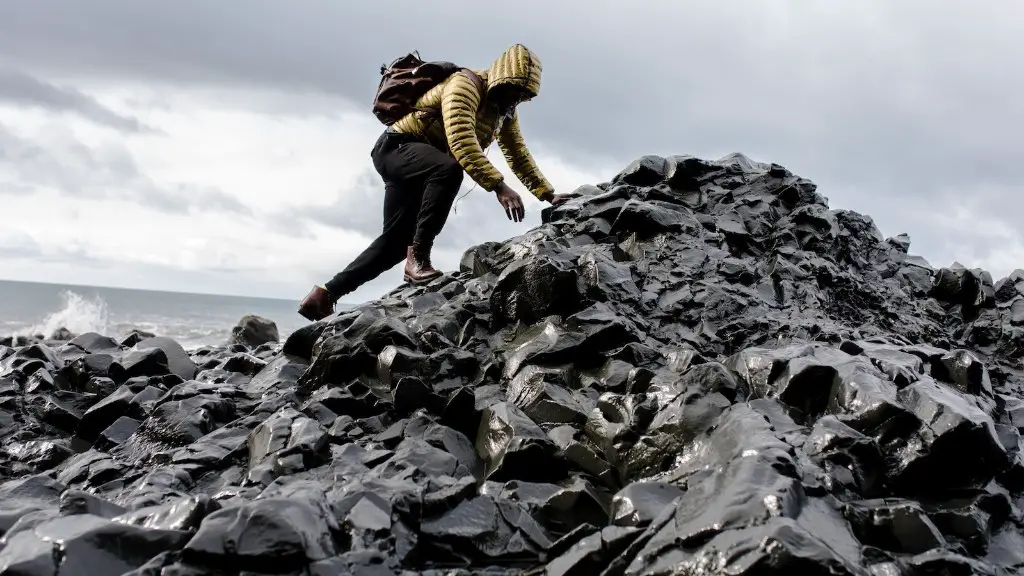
77 313
192 320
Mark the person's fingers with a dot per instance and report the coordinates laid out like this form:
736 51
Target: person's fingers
504 206
515 210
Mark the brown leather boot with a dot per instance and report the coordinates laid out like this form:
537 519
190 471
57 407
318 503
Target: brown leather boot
317 305
418 269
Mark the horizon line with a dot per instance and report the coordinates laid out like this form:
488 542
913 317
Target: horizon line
153 290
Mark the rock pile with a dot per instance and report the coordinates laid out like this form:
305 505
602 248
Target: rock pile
696 368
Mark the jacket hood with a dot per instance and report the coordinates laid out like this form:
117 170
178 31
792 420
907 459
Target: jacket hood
518 66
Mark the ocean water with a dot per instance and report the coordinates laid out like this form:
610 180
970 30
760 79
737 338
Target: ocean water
30 308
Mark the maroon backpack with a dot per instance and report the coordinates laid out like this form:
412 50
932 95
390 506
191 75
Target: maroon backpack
404 82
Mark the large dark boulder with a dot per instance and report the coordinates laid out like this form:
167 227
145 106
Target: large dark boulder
695 368
255 331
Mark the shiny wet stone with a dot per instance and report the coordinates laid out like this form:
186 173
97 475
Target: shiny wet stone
695 368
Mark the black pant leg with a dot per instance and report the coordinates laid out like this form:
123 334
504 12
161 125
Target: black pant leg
401 207
386 250
437 174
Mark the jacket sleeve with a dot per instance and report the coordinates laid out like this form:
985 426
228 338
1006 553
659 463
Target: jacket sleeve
459 104
519 159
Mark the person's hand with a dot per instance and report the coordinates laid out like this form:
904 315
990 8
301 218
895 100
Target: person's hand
557 199
511 202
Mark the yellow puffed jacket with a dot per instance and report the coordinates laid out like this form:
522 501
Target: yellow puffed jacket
468 124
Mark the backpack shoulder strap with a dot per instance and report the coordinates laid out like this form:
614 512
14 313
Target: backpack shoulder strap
475 78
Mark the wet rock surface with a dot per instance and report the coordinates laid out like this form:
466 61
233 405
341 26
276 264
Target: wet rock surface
697 368
254 331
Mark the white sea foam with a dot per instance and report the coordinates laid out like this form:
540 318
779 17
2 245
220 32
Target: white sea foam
77 313
192 320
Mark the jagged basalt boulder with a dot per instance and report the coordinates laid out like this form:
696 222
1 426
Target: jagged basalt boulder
254 331
696 368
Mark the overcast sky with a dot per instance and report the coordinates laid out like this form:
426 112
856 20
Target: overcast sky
223 146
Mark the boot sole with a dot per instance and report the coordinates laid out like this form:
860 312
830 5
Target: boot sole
423 281
309 315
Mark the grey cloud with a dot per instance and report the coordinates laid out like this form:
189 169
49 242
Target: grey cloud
721 79
804 87
253 282
197 198
15 188
19 88
890 112
67 165
23 246
358 208
20 246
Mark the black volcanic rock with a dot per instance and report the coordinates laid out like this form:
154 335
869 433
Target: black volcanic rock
254 331
695 368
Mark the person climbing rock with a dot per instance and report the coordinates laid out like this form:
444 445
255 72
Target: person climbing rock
440 118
